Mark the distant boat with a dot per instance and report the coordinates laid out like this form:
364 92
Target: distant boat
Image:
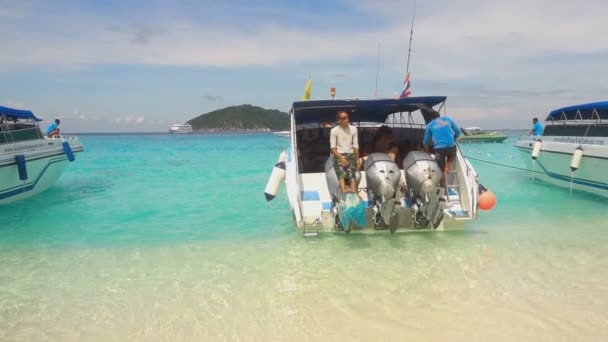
181 129
284 134
30 162
476 134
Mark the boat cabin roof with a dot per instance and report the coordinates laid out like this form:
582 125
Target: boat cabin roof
12 113
370 110
586 111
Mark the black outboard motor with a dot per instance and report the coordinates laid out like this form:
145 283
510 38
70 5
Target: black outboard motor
383 175
423 178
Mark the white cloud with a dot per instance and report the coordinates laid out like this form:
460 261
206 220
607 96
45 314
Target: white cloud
496 58
452 39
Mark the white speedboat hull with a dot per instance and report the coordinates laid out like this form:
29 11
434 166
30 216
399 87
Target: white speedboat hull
553 163
45 160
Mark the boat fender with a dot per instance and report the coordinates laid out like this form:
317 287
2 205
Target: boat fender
576 159
68 151
536 149
276 178
487 199
21 167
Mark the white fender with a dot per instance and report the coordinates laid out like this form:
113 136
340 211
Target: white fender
276 178
576 159
536 149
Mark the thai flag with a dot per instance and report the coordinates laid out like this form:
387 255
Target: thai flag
406 87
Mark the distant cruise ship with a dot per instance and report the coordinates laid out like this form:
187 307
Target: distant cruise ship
181 129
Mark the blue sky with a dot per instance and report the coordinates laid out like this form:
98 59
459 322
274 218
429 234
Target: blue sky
144 65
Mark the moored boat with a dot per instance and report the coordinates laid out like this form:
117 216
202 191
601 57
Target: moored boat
402 194
30 162
573 149
476 134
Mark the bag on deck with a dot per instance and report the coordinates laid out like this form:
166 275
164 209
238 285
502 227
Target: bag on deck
352 209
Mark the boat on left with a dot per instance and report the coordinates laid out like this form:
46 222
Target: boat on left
30 162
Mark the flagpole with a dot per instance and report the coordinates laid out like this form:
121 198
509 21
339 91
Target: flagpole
377 70
409 52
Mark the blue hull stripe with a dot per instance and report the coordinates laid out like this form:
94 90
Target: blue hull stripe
581 181
27 187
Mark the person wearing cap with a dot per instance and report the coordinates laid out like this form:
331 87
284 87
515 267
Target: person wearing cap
537 128
53 129
444 132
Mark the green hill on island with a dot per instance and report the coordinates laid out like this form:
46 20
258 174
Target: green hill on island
241 118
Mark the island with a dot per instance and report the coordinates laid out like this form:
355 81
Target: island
242 118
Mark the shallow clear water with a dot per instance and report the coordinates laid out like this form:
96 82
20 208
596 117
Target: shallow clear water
149 237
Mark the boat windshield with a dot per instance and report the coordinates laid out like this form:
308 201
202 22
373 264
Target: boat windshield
15 130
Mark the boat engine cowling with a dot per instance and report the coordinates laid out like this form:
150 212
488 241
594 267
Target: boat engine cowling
332 179
423 179
382 175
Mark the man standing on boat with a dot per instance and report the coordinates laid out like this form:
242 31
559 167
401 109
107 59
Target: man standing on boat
537 128
444 133
344 144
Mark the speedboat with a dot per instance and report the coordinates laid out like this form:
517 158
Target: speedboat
284 134
29 162
476 134
401 194
181 129
573 150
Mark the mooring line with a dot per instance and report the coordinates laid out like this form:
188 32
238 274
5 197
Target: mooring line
504 165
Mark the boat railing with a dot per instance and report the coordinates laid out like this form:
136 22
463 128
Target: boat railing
16 132
64 137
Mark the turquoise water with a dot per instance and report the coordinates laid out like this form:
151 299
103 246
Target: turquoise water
149 237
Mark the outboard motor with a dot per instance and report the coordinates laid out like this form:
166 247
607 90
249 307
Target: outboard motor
383 175
423 178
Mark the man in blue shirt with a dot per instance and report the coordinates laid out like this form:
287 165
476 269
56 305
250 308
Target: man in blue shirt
444 132
537 128
53 129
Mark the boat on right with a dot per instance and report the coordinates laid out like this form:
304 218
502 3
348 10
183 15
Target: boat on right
573 149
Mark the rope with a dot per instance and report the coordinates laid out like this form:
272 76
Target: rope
504 165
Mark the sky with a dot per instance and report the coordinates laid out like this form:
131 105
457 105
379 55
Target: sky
140 66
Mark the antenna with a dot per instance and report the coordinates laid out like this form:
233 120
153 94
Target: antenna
409 52
377 70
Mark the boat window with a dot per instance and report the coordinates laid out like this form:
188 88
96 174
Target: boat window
313 144
16 131
565 130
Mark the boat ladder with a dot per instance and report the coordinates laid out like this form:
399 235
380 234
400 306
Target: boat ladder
452 189
454 209
312 231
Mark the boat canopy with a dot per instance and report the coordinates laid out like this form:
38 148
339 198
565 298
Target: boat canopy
12 113
587 111
374 110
